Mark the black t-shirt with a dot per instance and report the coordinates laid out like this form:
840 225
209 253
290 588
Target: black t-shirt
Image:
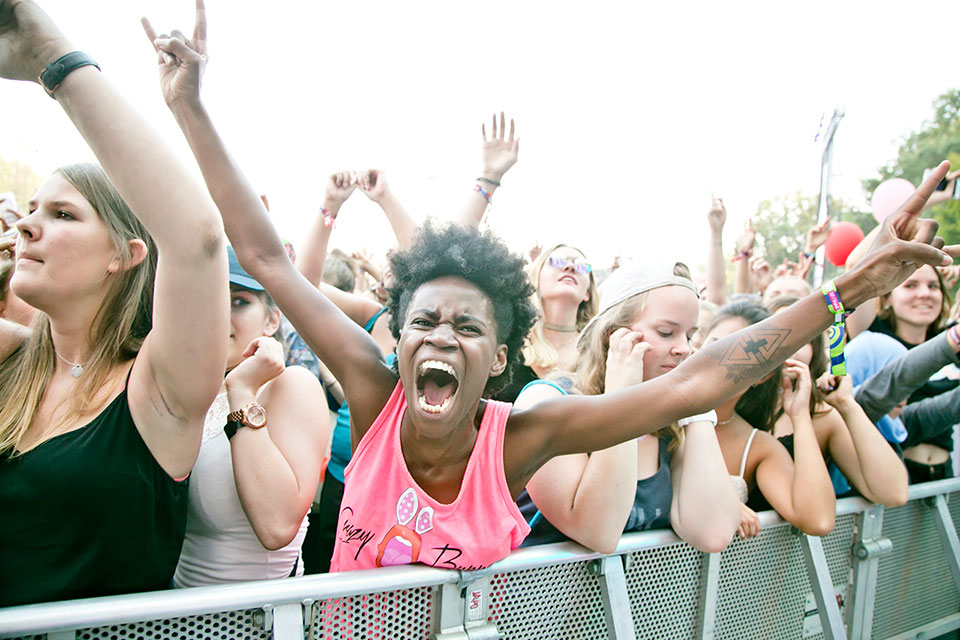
88 513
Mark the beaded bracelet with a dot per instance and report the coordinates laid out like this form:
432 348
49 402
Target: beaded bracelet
329 219
483 192
742 255
488 181
835 333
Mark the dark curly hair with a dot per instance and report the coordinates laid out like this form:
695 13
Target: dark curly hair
480 258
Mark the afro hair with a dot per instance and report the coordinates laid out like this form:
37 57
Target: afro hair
480 258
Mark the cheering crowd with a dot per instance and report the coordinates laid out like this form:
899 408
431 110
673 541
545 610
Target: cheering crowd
177 412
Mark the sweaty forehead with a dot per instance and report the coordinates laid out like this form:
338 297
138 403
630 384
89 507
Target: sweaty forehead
452 296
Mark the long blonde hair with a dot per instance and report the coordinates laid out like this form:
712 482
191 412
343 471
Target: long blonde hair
115 335
538 351
594 343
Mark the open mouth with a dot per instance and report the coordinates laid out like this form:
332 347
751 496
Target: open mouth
436 385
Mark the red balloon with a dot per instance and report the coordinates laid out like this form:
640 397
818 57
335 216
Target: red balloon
844 236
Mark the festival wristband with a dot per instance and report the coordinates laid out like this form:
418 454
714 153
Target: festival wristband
329 219
709 416
483 192
837 331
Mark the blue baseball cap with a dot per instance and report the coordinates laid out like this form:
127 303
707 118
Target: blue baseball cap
239 276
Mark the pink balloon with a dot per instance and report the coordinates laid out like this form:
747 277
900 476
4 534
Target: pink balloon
844 236
890 196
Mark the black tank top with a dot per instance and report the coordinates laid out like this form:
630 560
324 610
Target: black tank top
88 513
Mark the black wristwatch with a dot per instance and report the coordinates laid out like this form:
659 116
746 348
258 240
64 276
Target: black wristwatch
54 73
253 415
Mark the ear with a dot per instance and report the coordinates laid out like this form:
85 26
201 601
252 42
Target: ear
138 252
273 322
500 362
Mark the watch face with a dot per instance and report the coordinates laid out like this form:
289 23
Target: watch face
255 416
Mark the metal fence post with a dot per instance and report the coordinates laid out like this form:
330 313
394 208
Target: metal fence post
819 575
616 602
948 536
709 590
860 600
288 622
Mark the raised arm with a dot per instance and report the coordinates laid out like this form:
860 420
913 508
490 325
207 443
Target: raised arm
716 269
500 152
373 183
277 468
179 366
801 491
344 347
726 367
857 446
313 252
930 417
882 391
742 280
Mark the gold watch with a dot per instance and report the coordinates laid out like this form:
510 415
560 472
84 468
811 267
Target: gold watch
252 415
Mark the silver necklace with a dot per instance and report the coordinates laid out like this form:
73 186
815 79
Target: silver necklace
76 368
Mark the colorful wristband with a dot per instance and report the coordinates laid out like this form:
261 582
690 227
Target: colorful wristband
483 192
837 331
742 255
329 219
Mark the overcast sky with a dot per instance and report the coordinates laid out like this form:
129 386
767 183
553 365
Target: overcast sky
629 114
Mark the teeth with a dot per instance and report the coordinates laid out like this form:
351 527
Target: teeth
429 408
436 364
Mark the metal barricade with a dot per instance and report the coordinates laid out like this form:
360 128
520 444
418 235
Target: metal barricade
889 574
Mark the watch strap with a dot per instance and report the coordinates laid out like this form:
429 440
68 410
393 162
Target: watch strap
231 428
54 73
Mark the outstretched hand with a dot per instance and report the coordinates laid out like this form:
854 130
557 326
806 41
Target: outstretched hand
181 60
29 40
748 238
817 235
905 242
500 152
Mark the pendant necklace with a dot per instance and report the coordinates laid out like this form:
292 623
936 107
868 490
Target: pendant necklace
76 368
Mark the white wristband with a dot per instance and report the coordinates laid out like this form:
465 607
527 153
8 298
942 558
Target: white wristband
709 416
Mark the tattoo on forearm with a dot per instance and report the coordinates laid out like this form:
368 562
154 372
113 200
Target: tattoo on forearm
750 354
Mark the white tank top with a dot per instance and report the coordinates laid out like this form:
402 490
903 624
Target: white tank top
739 483
220 545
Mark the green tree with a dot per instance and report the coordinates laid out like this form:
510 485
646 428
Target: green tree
782 224
20 179
936 139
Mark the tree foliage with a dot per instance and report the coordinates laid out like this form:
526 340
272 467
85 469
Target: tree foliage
782 224
937 139
20 179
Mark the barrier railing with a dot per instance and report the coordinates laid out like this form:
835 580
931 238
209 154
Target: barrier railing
882 573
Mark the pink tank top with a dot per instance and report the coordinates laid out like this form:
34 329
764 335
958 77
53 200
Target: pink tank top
387 519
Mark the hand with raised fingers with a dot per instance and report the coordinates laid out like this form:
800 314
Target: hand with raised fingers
760 273
500 151
817 235
749 523
262 362
748 238
905 241
625 359
8 244
796 385
373 183
181 60
950 275
803 264
943 195
717 215
29 40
